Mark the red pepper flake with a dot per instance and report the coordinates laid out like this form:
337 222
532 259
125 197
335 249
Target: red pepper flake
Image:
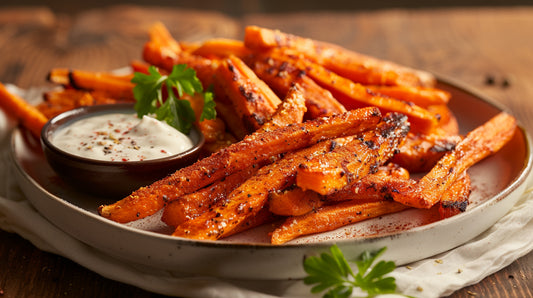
163 151
124 159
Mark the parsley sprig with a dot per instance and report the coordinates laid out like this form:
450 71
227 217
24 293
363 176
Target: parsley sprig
174 110
332 272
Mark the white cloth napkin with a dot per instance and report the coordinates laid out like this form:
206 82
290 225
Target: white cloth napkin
509 239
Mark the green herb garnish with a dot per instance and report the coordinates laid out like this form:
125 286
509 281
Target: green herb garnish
332 272
174 110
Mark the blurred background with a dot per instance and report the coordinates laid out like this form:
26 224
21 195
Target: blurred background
239 7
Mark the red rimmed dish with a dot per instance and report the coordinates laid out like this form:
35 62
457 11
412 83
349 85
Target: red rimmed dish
105 177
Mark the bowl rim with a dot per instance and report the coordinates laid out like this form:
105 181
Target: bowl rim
70 116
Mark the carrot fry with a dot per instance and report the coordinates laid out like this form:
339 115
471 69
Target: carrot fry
331 217
420 96
290 111
419 153
139 66
455 199
227 113
393 170
221 48
59 76
478 144
194 204
253 149
261 217
116 86
330 172
354 95
164 52
355 66
28 115
448 125
252 98
246 200
294 201
281 76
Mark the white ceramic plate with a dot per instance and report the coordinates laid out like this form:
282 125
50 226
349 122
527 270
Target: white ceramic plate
497 182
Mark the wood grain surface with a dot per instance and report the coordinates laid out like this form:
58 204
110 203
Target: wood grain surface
489 50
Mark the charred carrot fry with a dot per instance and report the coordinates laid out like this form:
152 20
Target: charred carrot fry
478 144
253 149
280 76
28 115
419 152
331 217
330 172
246 200
294 201
252 98
455 199
195 204
374 187
355 66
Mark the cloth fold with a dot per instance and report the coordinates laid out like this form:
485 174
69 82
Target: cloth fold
441 275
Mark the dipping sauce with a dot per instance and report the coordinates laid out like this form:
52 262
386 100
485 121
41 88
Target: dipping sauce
121 137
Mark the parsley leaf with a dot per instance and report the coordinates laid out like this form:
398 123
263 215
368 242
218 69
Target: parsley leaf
332 272
177 112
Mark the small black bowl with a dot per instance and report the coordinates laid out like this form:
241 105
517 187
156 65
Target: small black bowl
110 178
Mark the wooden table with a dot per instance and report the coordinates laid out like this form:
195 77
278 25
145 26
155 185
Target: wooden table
487 49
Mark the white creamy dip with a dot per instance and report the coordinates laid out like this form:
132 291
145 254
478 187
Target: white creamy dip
121 137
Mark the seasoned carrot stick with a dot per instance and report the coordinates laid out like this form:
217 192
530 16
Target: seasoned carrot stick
116 86
59 76
355 66
253 100
478 144
331 217
163 51
330 172
195 204
448 125
294 201
280 76
253 149
420 152
290 111
119 87
354 95
221 48
15 106
420 96
455 199
250 197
